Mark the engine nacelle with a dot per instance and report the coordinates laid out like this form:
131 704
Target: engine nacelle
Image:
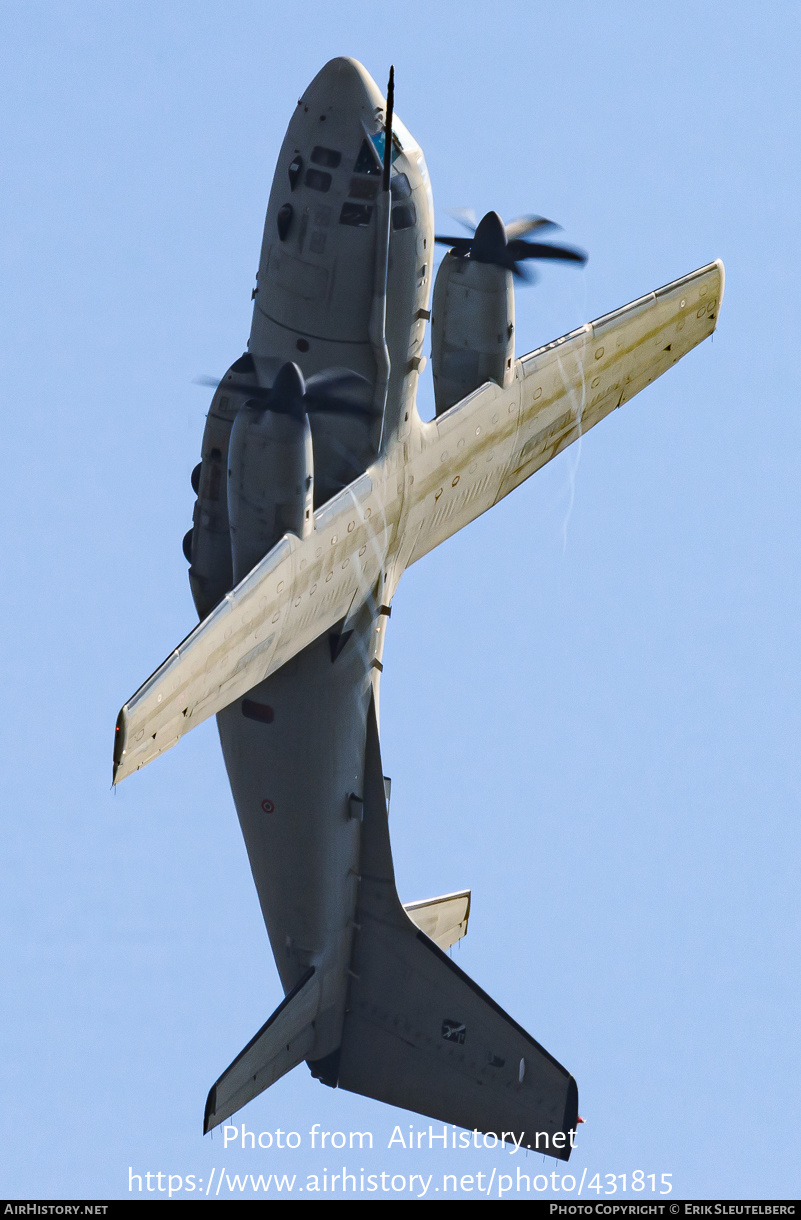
472 328
207 546
270 482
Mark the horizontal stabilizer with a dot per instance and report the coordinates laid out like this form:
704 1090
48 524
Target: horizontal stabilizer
442 919
280 1045
420 1034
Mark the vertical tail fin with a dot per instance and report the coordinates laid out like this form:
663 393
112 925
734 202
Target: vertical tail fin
420 1034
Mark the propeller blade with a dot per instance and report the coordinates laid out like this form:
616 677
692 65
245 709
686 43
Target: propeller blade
466 217
528 249
504 245
336 391
247 391
338 382
526 275
527 224
461 245
321 406
340 392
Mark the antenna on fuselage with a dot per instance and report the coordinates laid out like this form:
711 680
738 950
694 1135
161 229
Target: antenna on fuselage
378 319
388 129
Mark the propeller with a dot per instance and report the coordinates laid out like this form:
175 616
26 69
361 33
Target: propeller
504 245
333 391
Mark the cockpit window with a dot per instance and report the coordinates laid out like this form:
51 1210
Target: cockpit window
357 214
399 187
379 141
328 157
367 161
403 216
363 188
317 179
295 166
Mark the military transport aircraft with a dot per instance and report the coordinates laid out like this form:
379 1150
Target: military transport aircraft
319 485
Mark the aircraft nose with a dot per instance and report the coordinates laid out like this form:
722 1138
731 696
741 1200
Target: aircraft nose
343 84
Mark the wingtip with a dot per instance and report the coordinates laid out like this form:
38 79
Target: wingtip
119 745
211 1106
722 270
571 1118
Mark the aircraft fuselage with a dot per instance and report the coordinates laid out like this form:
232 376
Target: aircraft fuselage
318 486
294 748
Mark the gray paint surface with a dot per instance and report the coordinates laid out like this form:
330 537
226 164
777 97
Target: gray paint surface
292 702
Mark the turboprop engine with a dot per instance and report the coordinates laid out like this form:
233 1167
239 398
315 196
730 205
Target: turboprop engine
256 478
472 328
473 313
207 546
270 471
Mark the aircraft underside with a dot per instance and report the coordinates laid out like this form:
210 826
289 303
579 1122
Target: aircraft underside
318 485
294 752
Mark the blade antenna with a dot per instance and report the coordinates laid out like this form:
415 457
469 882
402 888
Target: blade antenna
388 134
378 316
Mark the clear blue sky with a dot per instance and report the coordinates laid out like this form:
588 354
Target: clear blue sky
590 703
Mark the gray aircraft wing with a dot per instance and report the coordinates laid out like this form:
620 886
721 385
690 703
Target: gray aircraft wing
292 596
486 445
467 460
